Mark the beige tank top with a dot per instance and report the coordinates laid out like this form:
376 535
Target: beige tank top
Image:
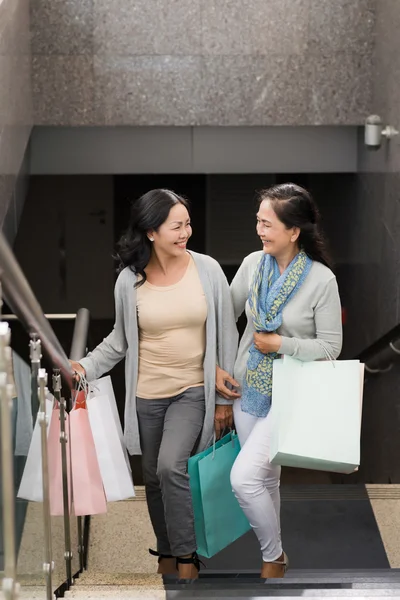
172 336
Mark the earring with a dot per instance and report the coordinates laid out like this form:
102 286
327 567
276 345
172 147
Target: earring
151 239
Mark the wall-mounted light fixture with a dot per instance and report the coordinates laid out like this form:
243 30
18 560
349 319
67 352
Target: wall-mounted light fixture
374 132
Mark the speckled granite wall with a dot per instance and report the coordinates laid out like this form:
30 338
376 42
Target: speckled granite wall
15 94
201 62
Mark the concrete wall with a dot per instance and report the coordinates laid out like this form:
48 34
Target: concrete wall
121 150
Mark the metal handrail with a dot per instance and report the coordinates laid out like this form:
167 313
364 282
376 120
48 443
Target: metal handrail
79 337
380 357
22 301
49 316
9 584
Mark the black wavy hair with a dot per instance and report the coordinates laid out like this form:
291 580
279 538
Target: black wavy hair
148 213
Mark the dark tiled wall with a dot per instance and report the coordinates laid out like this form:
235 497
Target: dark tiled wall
377 298
362 219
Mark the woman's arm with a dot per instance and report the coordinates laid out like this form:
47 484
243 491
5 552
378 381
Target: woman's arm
240 289
113 348
328 327
227 334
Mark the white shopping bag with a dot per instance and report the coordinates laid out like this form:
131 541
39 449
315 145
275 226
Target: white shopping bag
316 413
116 476
31 487
104 387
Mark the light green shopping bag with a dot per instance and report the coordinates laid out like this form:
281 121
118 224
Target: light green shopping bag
316 414
218 518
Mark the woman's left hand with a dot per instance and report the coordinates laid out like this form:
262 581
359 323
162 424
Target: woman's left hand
267 342
223 418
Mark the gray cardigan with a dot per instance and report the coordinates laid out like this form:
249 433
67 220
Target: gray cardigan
123 341
311 321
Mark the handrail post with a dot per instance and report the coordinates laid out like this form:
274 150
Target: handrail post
78 350
64 449
9 584
79 338
48 565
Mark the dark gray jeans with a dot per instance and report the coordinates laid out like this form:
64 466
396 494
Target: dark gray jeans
169 429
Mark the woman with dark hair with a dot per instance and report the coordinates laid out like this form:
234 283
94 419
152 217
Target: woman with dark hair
174 323
292 305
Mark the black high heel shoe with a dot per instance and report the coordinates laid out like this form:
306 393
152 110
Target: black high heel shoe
193 560
162 568
160 556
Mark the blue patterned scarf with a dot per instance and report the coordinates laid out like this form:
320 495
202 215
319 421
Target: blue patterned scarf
269 293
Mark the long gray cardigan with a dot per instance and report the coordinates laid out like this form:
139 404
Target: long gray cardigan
123 341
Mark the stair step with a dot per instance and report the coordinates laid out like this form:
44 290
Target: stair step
188 592
310 573
305 576
294 583
343 584
113 591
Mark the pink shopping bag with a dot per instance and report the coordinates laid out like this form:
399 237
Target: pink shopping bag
87 486
54 447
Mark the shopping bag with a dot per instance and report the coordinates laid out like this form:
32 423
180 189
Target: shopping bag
54 448
87 485
218 518
316 413
104 387
116 476
31 486
24 428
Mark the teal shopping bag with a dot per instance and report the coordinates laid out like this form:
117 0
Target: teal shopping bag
218 518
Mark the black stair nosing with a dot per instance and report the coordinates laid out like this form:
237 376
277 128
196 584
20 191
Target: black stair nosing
255 590
248 594
324 492
284 584
258 585
300 581
313 573
186 592
291 582
303 580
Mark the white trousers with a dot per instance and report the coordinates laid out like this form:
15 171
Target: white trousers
255 482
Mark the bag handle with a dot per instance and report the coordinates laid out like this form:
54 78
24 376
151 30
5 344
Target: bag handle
328 354
231 431
80 389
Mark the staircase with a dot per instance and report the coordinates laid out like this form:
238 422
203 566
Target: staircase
333 528
383 583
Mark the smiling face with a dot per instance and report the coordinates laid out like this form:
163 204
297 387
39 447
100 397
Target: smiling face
172 236
276 238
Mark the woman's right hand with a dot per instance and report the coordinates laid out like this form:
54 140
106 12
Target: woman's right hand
221 377
78 370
